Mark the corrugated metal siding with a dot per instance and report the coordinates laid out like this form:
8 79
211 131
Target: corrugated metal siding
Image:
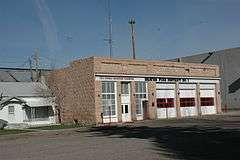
228 61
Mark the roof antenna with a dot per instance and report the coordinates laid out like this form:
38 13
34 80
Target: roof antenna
110 41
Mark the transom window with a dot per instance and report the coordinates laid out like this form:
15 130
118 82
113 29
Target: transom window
207 101
108 87
165 102
141 93
187 102
108 99
125 88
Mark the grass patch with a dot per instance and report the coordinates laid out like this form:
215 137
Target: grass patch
56 127
13 131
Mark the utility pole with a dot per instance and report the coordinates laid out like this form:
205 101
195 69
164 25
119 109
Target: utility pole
30 65
132 23
109 28
37 63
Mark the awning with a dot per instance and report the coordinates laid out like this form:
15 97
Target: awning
39 102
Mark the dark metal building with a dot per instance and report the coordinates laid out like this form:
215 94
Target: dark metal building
229 63
21 74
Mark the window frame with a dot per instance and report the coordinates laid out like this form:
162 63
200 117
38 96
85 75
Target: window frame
110 99
140 95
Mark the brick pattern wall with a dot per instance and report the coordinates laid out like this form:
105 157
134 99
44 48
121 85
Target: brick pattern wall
133 101
198 99
75 91
156 68
119 107
98 101
177 92
152 106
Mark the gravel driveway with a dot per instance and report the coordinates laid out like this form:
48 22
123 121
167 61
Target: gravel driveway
213 137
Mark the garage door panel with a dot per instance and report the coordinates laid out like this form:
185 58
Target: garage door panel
207 93
207 86
188 111
188 105
187 93
166 102
171 112
207 97
162 113
187 86
165 86
208 110
165 93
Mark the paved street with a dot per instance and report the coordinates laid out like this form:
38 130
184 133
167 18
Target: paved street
215 137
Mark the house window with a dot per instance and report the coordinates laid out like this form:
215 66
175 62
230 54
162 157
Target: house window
141 93
39 113
187 102
108 99
165 102
11 109
207 101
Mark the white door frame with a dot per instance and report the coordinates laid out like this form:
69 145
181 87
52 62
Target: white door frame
126 100
126 117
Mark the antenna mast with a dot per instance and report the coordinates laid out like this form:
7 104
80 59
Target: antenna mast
109 28
132 23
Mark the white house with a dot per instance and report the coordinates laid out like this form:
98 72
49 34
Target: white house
25 104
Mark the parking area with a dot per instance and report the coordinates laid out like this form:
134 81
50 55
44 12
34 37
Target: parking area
212 137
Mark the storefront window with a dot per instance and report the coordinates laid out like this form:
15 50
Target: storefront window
141 93
108 99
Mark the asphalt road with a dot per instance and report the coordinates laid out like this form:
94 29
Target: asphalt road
214 137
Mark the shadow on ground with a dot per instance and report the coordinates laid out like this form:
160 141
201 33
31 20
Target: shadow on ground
192 143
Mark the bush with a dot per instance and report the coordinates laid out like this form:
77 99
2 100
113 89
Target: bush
3 124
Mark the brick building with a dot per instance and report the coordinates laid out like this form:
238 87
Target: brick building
103 90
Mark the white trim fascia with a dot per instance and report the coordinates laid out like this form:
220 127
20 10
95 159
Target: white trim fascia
143 76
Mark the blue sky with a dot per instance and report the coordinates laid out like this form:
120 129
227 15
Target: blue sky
65 30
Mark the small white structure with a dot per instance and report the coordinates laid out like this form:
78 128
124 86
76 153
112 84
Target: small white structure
25 104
